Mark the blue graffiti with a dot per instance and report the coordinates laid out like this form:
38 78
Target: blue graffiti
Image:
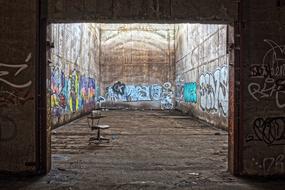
134 93
71 93
190 92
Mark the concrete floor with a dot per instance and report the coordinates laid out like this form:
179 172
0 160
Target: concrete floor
148 150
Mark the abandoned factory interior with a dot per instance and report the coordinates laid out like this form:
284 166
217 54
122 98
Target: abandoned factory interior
142 94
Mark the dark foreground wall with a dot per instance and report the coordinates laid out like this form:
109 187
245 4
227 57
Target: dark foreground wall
137 65
202 72
74 70
263 73
17 85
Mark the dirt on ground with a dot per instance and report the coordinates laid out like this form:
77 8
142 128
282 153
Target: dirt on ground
147 150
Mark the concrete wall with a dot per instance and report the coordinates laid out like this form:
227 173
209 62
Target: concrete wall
202 72
17 85
263 88
137 65
74 70
260 143
212 11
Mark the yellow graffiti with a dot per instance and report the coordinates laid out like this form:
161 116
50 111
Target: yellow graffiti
53 101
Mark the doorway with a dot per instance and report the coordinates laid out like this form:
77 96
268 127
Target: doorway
198 88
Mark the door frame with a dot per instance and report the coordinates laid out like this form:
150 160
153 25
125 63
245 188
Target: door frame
43 117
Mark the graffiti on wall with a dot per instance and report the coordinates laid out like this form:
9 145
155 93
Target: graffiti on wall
134 93
273 164
214 91
271 131
13 93
190 92
87 93
166 96
119 88
179 89
71 93
18 93
271 75
73 86
18 69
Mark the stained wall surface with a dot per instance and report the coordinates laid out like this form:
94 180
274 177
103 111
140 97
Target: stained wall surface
17 85
263 88
74 70
137 65
202 72
211 11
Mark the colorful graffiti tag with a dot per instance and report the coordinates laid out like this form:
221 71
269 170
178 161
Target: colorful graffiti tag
73 85
71 93
133 93
190 92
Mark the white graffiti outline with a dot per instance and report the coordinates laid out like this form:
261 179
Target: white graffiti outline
20 67
273 163
268 90
214 91
273 46
271 71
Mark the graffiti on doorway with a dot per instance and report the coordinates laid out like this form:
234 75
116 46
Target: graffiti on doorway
214 91
274 164
269 165
270 75
270 131
4 72
14 92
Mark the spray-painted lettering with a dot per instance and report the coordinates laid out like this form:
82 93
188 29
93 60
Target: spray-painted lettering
272 74
214 91
133 93
19 68
270 131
